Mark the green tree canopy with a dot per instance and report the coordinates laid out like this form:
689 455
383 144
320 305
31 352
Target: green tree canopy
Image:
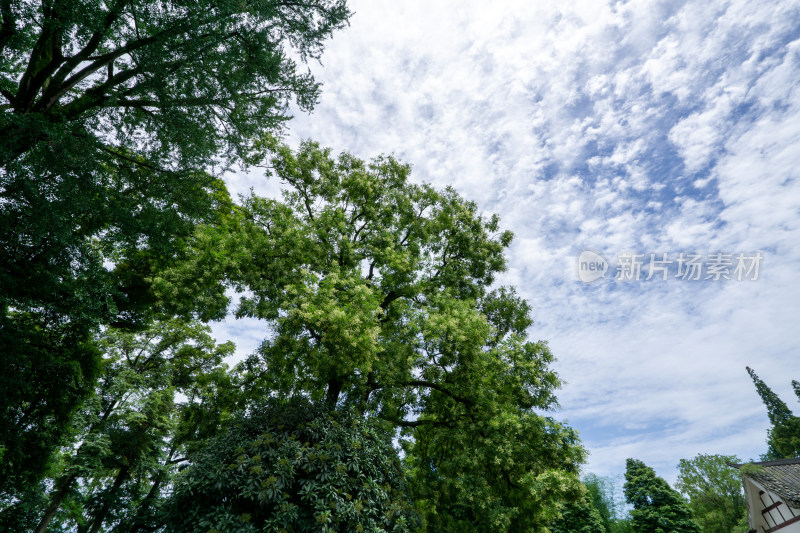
657 508
715 492
783 440
602 509
177 82
294 467
109 114
46 370
375 293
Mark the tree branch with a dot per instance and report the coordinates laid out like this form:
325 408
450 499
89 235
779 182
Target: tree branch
45 59
132 160
389 298
88 49
437 387
8 95
9 26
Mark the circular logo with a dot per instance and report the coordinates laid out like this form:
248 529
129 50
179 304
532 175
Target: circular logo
591 266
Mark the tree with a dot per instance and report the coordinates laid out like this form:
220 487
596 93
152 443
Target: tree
657 508
109 113
294 467
609 502
783 440
375 294
75 256
579 517
602 494
715 492
46 369
128 439
621 525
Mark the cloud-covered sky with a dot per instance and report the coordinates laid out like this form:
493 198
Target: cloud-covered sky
643 127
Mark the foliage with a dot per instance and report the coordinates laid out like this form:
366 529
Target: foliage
714 490
375 292
108 111
783 440
607 498
621 525
46 369
600 510
175 82
510 472
657 508
128 438
579 517
293 467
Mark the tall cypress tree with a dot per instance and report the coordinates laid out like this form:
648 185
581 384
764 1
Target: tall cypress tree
783 439
777 410
657 508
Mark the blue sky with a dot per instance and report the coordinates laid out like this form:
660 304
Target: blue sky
642 126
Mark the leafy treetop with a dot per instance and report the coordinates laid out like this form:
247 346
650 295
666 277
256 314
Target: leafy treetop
783 440
376 295
657 508
715 492
293 467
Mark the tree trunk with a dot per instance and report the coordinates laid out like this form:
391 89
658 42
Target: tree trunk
139 521
55 503
334 389
101 515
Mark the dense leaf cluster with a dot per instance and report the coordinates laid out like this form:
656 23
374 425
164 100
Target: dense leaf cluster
579 517
294 467
129 437
177 82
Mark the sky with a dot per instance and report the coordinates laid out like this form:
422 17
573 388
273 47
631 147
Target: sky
629 129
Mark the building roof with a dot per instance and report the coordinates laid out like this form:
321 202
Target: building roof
781 477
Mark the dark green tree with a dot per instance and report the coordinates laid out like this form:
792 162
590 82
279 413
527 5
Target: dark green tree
579 517
715 492
177 83
75 255
294 467
657 508
783 439
109 112
375 296
128 439
46 369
